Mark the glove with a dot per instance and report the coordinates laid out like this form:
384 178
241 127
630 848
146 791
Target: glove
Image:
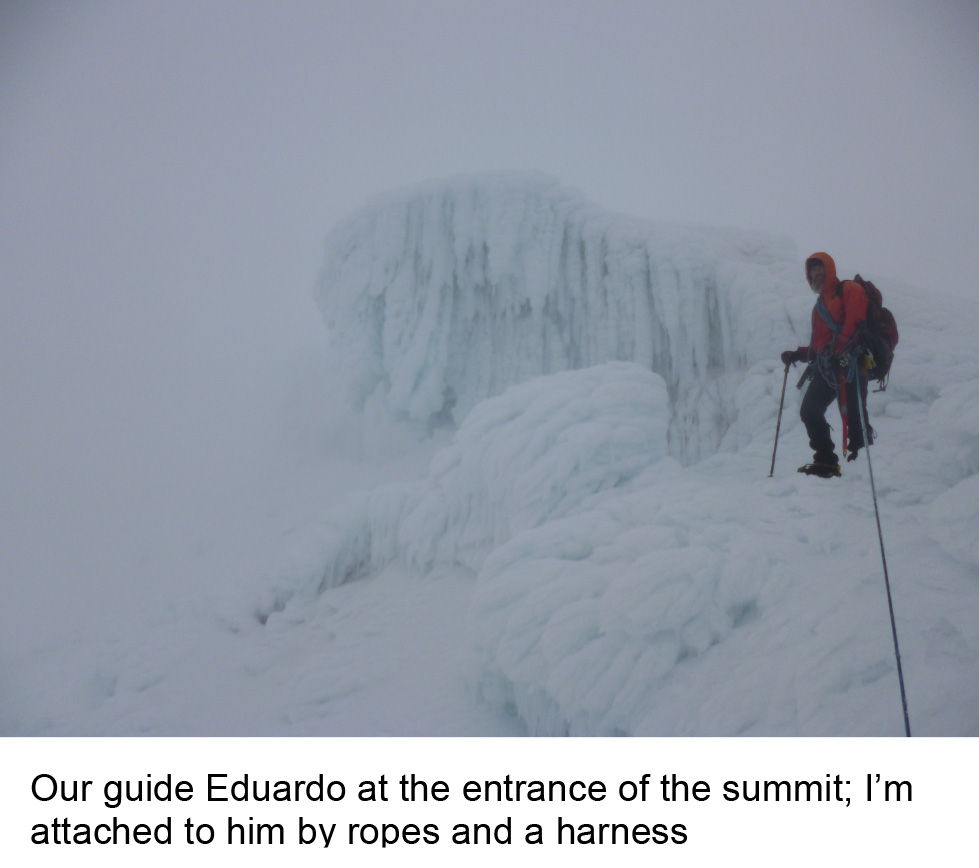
791 356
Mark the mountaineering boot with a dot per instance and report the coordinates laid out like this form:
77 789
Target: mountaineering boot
826 471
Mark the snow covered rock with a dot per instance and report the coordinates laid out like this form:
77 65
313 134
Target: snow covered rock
534 454
528 456
446 294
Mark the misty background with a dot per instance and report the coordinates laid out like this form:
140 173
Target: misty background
168 171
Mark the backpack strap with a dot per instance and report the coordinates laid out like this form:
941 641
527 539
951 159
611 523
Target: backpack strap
831 323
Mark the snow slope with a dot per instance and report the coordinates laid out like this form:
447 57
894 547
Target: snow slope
547 509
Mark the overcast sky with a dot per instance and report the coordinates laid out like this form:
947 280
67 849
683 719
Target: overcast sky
243 130
169 169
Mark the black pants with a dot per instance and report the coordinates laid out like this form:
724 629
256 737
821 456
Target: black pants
817 400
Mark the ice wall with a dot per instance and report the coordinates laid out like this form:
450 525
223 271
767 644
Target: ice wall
441 296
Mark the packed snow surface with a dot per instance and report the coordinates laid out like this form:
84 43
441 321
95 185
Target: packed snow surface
561 519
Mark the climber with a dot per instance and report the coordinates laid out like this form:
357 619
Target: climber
833 369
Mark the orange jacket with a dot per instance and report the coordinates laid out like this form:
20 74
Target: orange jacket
847 305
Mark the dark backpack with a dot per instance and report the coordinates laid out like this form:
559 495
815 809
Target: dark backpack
878 333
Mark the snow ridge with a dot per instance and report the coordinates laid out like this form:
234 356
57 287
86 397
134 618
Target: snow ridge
444 295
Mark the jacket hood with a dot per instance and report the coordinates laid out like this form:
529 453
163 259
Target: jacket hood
830 266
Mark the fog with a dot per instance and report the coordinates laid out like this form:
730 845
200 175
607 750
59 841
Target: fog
168 171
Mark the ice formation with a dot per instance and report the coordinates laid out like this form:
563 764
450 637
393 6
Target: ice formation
446 294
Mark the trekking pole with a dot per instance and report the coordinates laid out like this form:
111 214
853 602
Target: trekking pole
883 555
778 424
